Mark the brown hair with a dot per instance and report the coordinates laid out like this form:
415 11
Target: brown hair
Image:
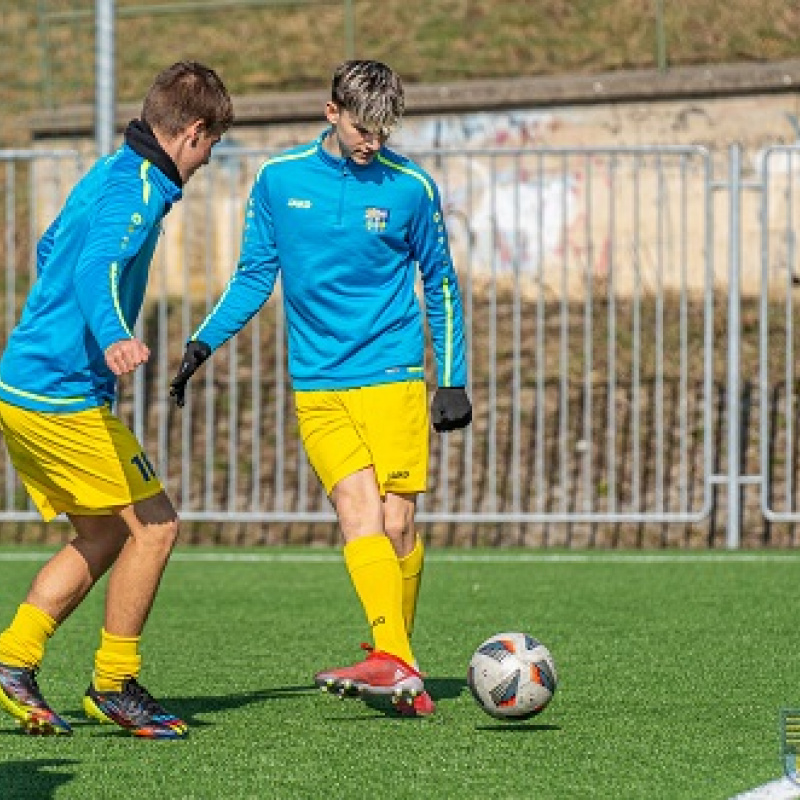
182 94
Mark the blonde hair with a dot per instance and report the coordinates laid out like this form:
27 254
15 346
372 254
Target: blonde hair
371 92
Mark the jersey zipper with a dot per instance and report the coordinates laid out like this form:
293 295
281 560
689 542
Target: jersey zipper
343 177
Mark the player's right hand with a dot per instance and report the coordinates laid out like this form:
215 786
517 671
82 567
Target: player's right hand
125 355
194 355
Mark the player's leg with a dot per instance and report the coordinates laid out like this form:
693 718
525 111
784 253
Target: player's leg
115 694
337 431
398 514
56 591
66 579
371 561
43 450
89 465
136 575
400 450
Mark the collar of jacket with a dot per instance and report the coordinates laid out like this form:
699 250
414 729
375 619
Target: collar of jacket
337 162
140 138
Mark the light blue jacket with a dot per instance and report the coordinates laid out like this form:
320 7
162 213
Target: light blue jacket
348 240
92 268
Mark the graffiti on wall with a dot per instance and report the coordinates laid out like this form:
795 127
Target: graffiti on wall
514 214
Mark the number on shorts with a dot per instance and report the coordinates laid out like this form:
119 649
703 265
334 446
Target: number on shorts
142 463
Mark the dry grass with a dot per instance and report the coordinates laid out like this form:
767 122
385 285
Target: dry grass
260 49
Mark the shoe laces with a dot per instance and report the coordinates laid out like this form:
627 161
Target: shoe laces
32 673
27 675
380 654
136 693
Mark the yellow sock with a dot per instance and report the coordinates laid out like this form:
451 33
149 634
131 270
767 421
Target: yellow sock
22 643
373 568
411 570
117 659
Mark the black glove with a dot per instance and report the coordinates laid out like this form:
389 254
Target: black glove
194 355
451 408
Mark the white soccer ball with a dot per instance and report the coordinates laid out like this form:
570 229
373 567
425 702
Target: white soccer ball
512 676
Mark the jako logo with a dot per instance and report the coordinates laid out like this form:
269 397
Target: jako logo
295 203
399 474
378 621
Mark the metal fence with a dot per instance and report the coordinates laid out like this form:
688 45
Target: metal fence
631 346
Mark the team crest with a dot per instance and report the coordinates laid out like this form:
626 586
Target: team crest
376 219
790 742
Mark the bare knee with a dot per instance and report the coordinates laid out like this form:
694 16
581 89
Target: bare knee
358 505
162 535
398 525
153 522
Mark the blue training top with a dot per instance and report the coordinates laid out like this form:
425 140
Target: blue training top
348 240
92 267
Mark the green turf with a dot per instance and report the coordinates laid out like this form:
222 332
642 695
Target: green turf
672 675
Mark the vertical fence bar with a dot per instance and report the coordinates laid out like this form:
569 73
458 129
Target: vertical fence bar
104 76
186 331
563 351
588 346
11 293
516 380
469 321
789 398
159 391
280 415
541 371
763 336
636 342
683 380
664 239
492 435
210 425
732 539
233 367
708 333
611 435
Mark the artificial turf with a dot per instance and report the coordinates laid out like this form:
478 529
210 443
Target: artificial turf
673 668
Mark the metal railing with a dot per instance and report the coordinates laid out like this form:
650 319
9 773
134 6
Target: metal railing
623 333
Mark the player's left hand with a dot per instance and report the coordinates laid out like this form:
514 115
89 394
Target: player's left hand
451 409
194 355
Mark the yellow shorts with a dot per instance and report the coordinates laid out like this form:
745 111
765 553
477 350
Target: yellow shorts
385 426
86 462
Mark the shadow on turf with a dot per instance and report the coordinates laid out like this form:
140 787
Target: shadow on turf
187 708
34 778
516 727
445 688
438 688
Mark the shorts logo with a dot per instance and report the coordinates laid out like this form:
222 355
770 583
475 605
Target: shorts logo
295 203
403 473
376 219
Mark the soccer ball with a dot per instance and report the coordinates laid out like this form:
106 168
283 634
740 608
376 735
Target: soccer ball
512 676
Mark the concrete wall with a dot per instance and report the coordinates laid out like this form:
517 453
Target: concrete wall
754 106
